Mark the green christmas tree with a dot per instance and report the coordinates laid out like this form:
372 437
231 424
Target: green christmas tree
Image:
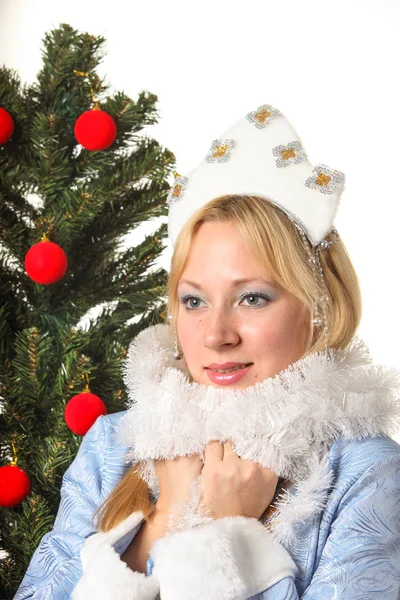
86 202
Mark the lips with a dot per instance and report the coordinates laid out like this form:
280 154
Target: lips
228 377
227 365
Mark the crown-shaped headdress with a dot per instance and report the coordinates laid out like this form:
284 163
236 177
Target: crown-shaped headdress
261 155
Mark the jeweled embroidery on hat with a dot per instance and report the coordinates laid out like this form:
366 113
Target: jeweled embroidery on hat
177 190
220 151
263 115
292 153
324 179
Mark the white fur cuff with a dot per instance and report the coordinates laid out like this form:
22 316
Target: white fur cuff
105 575
232 558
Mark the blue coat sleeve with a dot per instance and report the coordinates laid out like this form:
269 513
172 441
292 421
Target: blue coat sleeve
55 567
361 556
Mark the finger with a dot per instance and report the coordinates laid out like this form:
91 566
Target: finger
213 452
230 452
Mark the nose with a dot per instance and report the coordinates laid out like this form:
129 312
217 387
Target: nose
219 329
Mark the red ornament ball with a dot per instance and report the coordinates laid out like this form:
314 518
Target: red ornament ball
82 411
95 130
46 262
15 485
6 126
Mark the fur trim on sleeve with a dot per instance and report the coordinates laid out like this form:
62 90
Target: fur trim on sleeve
232 558
105 575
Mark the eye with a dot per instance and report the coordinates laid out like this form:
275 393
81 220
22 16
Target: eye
193 302
253 296
188 298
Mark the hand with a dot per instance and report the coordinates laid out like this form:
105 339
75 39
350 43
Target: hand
174 479
233 486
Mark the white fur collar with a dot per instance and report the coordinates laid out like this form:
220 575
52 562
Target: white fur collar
287 422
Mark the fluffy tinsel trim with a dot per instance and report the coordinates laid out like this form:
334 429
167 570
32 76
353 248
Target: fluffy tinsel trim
287 422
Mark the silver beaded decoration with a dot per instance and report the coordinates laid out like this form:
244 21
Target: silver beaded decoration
177 354
325 244
220 151
321 301
292 153
263 115
324 179
177 190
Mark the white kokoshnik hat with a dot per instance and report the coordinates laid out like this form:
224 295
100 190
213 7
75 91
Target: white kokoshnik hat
262 155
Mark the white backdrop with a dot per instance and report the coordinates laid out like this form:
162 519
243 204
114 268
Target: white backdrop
330 67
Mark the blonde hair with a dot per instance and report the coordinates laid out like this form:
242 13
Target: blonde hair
274 239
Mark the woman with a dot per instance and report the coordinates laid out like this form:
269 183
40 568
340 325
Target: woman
255 459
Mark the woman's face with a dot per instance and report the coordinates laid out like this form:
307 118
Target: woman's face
220 321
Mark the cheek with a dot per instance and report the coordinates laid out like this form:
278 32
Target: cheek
267 328
267 338
191 341
189 332
282 331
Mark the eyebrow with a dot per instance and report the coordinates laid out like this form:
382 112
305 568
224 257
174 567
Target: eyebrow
234 282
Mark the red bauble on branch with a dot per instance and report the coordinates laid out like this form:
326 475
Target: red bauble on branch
6 126
15 485
82 411
95 129
46 262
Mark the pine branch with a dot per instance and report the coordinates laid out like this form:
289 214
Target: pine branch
14 232
86 202
66 50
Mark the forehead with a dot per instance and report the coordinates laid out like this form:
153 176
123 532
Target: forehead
219 250
213 237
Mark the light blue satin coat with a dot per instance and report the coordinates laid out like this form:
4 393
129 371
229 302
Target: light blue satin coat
350 551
